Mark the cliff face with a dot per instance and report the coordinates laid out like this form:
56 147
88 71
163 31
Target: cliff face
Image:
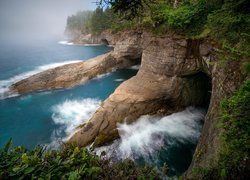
164 84
174 73
226 79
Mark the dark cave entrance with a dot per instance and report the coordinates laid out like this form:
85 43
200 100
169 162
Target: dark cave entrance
104 41
197 90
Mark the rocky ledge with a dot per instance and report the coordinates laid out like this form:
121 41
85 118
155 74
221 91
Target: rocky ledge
125 54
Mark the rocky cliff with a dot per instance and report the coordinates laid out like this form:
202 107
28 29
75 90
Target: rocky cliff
164 84
175 72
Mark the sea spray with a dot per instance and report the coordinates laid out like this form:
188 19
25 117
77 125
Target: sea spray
66 43
154 139
87 45
119 80
135 67
69 115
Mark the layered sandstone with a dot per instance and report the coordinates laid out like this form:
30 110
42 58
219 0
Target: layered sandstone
175 72
162 85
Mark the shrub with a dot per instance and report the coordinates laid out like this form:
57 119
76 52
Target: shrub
70 162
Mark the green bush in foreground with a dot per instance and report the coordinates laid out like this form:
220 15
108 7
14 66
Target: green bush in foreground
70 162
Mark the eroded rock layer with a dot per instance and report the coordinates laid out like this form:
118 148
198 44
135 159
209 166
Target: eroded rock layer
175 72
162 85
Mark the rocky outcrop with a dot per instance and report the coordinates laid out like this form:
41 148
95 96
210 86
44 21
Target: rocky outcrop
66 76
109 38
174 73
164 84
90 39
226 78
125 54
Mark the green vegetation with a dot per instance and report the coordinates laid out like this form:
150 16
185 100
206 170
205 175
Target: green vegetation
227 22
88 22
80 22
233 159
70 162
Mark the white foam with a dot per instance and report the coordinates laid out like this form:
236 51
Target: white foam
119 80
92 45
66 43
135 67
150 134
71 43
4 84
100 76
70 114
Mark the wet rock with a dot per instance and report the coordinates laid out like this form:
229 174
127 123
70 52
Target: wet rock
158 86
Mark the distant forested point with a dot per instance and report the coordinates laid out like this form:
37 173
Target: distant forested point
91 22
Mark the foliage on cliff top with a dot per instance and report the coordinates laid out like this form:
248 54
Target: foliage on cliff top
69 163
225 21
233 160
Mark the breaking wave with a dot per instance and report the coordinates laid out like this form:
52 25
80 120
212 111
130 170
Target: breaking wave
66 43
150 136
69 115
119 80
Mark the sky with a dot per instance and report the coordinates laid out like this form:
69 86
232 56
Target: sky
38 17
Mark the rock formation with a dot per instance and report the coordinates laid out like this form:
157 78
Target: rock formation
174 73
125 54
226 79
166 82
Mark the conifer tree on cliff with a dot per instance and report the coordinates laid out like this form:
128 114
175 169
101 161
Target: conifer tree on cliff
131 8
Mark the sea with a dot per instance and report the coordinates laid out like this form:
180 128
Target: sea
48 118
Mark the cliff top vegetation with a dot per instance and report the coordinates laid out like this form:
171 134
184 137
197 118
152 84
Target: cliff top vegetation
226 22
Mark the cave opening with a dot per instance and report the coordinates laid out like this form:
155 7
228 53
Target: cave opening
197 90
104 41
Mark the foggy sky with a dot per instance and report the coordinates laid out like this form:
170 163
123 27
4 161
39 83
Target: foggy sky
38 17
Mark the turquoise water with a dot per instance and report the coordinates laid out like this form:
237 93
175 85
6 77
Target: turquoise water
42 118
48 118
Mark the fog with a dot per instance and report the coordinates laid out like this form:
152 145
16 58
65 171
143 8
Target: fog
38 18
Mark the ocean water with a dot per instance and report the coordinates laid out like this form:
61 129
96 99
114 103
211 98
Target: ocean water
50 117
159 140
47 117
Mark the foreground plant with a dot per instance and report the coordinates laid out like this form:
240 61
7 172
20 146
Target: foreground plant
70 162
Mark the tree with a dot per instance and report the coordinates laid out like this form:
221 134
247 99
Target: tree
128 8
